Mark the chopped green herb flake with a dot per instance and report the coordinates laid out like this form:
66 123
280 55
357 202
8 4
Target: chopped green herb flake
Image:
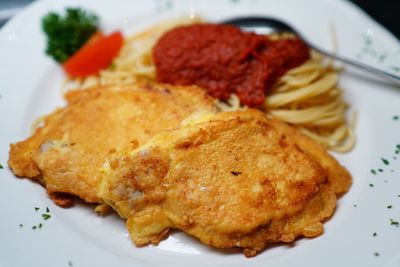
112 67
396 68
380 170
375 234
376 254
37 208
34 227
40 225
390 206
395 223
373 171
396 117
371 185
1 166
70 263
235 173
21 225
385 161
47 209
355 205
46 216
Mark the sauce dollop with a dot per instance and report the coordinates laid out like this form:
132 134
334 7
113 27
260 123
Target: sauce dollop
223 60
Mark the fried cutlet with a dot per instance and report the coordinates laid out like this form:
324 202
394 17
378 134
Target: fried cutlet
236 180
66 153
339 178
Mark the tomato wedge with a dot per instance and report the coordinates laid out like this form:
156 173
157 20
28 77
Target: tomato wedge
95 37
95 55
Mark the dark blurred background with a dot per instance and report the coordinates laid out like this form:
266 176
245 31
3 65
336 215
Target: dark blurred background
387 12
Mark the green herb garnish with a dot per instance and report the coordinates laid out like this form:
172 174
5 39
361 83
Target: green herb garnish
47 209
385 161
374 234
36 208
373 171
396 68
371 185
396 117
112 67
46 216
395 223
67 34
390 206
376 254
1 166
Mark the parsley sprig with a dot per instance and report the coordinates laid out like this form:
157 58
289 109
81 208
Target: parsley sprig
66 34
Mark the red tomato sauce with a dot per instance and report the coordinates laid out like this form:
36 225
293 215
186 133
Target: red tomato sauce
223 60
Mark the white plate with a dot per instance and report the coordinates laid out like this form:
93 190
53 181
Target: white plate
30 86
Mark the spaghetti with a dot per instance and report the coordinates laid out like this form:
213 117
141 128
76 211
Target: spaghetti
134 63
307 96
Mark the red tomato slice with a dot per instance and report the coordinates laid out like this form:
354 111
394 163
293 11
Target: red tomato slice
95 37
95 55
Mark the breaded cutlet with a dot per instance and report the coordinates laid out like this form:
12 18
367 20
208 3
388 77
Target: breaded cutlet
235 179
66 153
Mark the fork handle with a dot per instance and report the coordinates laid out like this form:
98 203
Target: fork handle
382 74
